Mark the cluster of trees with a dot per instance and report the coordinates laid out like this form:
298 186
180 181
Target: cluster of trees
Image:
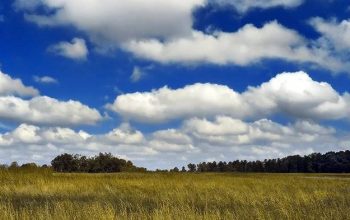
331 162
102 163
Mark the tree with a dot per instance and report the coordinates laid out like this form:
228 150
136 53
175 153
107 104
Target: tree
65 163
191 167
29 166
175 169
14 165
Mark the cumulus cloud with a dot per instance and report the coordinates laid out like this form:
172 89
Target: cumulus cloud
195 140
335 35
243 6
76 49
227 131
124 134
45 80
40 109
166 104
248 45
172 39
117 20
298 95
46 110
292 94
28 143
11 86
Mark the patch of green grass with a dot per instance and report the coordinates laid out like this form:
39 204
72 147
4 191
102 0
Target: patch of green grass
45 195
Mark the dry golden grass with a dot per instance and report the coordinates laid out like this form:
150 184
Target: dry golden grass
45 195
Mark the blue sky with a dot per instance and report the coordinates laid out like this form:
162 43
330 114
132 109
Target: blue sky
168 83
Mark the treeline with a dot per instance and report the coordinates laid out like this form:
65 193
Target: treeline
331 162
68 163
26 166
102 163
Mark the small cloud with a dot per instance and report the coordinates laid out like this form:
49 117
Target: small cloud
138 73
2 18
45 80
76 49
117 90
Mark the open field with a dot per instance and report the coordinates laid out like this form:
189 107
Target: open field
46 195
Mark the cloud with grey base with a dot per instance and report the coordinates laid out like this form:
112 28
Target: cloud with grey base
312 100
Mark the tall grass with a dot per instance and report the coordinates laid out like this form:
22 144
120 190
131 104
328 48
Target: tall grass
46 195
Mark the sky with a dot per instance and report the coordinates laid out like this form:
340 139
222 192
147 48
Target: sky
166 83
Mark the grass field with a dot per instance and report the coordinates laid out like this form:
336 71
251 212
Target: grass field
46 195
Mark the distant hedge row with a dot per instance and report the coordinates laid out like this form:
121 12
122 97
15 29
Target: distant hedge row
331 162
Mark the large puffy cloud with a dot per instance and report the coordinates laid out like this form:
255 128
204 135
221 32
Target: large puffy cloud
117 20
10 86
110 21
46 110
248 45
296 94
292 94
166 104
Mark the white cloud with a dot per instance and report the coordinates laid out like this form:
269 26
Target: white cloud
41 109
195 140
166 104
244 5
137 74
45 80
227 131
46 110
172 39
296 94
117 20
222 126
172 136
28 143
10 86
125 134
334 34
292 94
29 134
76 49
246 46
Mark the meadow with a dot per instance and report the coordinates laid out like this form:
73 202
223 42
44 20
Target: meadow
47 195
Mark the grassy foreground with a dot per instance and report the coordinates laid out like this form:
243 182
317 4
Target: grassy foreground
46 195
